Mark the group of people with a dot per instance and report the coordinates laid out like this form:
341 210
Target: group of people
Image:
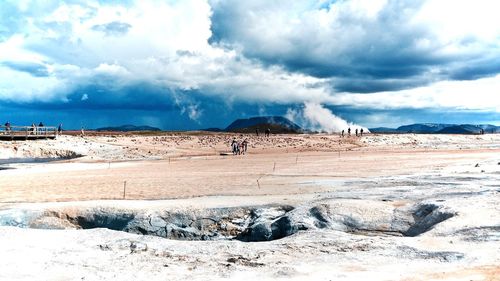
239 147
34 130
359 133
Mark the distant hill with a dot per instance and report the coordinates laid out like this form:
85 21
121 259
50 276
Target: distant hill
433 128
460 129
277 124
490 128
423 128
128 128
383 130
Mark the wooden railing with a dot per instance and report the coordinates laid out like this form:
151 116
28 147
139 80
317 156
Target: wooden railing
28 131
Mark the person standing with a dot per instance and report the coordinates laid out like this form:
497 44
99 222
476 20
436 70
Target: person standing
361 131
59 129
238 146
349 131
7 127
342 134
356 132
40 128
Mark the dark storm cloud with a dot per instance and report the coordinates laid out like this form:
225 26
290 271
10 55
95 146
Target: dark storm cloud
476 69
137 103
139 96
368 85
385 47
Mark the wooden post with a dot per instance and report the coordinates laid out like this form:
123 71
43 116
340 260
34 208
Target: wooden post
124 188
258 183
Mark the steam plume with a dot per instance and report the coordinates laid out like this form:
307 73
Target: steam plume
315 117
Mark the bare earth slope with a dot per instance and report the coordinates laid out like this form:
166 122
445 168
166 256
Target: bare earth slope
318 207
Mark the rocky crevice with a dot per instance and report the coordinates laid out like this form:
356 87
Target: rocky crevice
247 224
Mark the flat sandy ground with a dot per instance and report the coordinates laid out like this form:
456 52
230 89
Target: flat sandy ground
182 166
371 190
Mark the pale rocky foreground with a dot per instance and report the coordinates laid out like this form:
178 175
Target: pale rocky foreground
300 207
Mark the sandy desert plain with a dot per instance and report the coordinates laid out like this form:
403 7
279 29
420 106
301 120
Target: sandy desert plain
177 206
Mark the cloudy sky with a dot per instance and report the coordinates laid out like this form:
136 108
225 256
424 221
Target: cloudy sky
202 63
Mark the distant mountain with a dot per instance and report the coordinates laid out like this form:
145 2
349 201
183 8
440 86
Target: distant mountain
383 130
490 128
423 128
470 129
277 124
431 128
128 128
460 129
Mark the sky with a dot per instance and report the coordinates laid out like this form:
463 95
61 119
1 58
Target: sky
193 64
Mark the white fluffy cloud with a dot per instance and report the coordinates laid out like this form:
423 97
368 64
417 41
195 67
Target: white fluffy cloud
164 43
337 32
364 45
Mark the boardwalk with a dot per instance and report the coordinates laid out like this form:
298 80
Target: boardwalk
27 133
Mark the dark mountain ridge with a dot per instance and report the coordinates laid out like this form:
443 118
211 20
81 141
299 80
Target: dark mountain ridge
436 128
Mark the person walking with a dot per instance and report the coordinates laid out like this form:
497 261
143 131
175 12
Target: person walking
59 129
245 146
268 132
356 132
234 146
242 148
